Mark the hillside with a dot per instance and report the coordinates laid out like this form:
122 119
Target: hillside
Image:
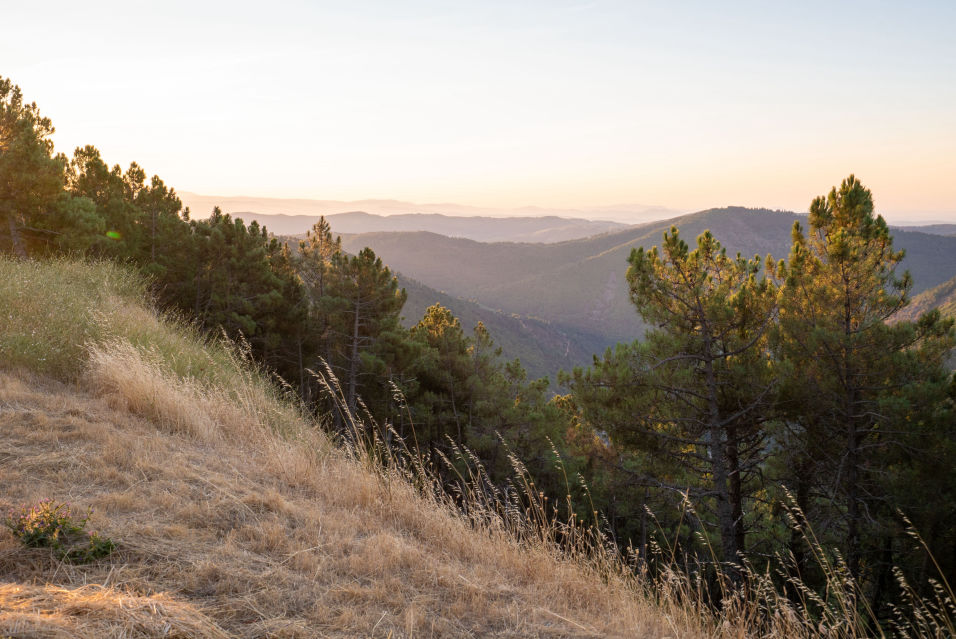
942 297
934 229
579 285
544 229
233 515
542 347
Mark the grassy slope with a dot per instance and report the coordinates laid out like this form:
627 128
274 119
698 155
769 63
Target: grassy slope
579 285
233 514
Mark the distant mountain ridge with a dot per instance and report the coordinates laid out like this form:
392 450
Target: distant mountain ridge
542 347
524 224
933 229
544 229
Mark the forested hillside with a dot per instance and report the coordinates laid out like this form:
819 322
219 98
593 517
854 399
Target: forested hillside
543 348
579 285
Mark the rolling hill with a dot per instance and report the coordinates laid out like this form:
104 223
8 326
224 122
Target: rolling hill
942 297
934 229
542 347
578 286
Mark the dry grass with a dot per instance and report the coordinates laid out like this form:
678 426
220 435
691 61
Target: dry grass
231 510
95 612
141 382
261 537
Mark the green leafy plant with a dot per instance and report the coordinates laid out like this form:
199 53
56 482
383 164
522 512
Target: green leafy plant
48 524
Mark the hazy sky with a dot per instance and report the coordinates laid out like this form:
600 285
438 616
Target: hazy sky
687 105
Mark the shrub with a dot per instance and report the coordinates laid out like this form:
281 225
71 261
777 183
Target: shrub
48 524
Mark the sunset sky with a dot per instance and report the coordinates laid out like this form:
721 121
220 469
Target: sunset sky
505 104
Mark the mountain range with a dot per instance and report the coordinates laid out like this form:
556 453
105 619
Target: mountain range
202 205
934 229
482 228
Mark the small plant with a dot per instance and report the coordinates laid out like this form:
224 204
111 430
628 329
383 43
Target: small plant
48 524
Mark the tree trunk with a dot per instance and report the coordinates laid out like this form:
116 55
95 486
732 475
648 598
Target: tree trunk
302 383
885 579
725 516
797 533
853 505
718 457
354 360
735 489
15 239
852 441
454 412
152 240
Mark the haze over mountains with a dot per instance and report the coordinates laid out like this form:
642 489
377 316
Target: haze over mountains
526 224
544 229
935 229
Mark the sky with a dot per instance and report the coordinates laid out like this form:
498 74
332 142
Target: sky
687 105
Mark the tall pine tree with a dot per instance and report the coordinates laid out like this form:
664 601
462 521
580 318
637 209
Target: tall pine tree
845 357
697 389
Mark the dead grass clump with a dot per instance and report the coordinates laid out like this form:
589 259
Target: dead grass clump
95 612
123 374
142 382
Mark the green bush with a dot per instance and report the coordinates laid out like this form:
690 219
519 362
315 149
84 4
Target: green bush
49 524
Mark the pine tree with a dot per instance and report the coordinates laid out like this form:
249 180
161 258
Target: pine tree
695 391
31 176
317 254
441 370
844 355
363 301
116 196
161 210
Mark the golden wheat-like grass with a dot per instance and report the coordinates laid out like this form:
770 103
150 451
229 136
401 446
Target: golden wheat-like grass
269 535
